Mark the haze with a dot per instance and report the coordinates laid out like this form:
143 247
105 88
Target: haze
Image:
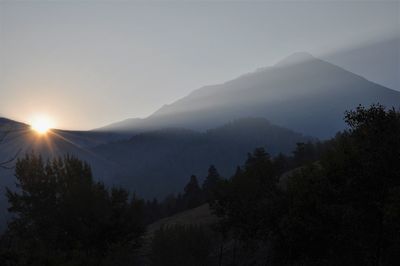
87 64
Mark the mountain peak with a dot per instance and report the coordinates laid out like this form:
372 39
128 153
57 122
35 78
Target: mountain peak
295 58
317 90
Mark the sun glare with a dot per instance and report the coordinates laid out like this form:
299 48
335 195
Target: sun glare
41 124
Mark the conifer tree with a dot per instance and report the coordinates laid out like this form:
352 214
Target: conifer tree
211 182
193 195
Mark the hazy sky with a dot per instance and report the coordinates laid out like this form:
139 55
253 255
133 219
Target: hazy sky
90 63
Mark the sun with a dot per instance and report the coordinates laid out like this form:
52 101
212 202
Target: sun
41 124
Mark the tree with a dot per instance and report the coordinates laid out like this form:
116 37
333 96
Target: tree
341 207
193 195
366 165
211 182
345 209
61 214
249 202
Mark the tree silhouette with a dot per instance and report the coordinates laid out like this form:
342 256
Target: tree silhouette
211 182
249 202
61 214
341 207
193 196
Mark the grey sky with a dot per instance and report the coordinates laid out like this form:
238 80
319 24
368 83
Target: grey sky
87 64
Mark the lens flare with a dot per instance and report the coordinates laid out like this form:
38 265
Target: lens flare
41 124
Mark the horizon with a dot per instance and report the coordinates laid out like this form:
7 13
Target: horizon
114 61
43 120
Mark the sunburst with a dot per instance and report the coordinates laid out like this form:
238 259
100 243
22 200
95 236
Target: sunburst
41 124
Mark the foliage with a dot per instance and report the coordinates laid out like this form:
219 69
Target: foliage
62 216
249 202
341 207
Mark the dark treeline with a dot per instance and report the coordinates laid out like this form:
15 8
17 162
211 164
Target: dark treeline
195 194
329 203
341 207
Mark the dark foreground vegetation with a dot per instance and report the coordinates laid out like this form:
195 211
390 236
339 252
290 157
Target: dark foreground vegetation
330 203
342 209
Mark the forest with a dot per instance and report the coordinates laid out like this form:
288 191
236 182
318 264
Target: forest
334 202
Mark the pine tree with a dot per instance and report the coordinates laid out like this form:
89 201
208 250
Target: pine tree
193 195
211 182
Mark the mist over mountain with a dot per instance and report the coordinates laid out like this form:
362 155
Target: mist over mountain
160 162
301 92
385 55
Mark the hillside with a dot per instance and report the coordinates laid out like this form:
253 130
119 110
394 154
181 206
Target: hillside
160 162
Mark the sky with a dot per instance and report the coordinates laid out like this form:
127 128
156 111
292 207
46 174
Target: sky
85 64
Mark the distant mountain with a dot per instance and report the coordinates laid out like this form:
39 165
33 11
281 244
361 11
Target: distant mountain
301 92
160 162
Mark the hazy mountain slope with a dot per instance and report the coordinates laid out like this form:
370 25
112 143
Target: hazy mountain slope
161 162
301 92
385 55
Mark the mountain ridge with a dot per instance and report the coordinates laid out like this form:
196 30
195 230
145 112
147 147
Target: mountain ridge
319 91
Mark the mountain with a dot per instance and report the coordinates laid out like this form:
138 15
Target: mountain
159 162
301 92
